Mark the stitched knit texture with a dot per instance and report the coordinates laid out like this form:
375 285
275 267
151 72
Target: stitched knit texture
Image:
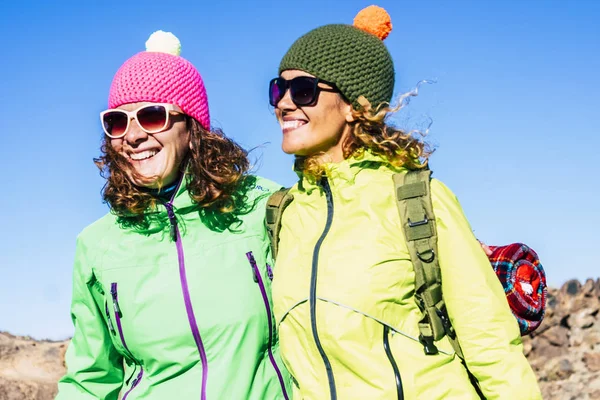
161 78
357 62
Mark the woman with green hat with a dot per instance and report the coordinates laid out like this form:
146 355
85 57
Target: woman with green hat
358 318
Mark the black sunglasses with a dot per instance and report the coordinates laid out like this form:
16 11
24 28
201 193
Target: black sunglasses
304 90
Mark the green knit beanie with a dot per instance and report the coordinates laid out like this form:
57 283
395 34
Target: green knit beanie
353 57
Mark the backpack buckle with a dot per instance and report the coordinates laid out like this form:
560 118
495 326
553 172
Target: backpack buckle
428 345
446 322
424 221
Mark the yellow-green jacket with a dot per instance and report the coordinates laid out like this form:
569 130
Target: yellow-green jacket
343 279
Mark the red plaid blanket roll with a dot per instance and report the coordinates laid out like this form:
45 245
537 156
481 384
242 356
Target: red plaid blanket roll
524 280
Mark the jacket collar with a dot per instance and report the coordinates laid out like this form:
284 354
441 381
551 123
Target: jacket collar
346 170
156 218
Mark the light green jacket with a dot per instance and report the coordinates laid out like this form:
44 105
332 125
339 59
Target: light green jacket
178 309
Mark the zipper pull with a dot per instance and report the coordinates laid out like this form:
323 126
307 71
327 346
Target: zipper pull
113 292
98 287
132 374
172 220
111 327
252 261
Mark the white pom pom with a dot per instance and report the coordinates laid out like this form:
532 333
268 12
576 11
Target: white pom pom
164 42
527 288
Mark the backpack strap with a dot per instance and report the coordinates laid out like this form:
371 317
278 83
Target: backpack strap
413 195
276 204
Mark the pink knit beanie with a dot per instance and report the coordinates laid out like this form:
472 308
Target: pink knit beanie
160 75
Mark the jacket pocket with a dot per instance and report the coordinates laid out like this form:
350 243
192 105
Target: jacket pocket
117 332
99 294
117 326
105 302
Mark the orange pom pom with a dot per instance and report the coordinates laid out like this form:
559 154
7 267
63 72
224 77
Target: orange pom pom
374 20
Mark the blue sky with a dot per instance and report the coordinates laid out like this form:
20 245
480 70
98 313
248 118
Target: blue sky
515 112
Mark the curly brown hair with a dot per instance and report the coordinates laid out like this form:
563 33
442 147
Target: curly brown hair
370 131
215 168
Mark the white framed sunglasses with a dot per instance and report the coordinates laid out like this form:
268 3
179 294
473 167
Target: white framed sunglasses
151 118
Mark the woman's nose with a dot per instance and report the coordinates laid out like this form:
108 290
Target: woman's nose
135 134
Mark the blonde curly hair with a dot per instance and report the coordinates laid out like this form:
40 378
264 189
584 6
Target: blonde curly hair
371 131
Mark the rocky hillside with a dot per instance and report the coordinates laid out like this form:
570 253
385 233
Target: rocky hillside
29 369
564 352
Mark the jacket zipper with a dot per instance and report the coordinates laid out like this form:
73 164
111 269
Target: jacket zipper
109 322
313 288
111 327
388 352
186 296
118 315
259 280
134 383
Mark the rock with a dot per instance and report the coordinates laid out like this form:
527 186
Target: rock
527 345
591 339
560 369
592 361
565 351
570 288
586 339
543 350
22 390
583 319
573 296
557 336
591 288
29 369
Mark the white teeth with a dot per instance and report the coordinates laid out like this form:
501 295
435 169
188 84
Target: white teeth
143 155
293 124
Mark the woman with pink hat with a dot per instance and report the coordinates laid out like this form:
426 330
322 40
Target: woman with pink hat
171 289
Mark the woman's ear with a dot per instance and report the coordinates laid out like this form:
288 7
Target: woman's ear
364 103
190 134
190 141
349 116
347 112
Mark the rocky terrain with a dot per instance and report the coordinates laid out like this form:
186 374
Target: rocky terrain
564 352
29 369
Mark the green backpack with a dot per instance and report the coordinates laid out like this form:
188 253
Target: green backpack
413 198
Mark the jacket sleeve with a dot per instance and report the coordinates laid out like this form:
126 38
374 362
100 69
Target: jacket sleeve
487 331
94 368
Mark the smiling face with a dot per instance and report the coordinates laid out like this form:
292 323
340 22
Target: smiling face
318 128
154 156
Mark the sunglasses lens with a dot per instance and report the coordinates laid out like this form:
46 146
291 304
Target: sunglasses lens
303 90
152 118
276 91
115 123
